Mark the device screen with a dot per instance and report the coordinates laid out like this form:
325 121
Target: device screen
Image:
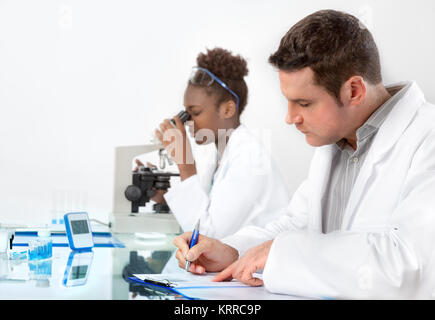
79 226
78 272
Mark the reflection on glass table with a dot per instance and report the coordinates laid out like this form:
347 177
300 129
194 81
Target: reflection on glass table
150 262
99 274
77 268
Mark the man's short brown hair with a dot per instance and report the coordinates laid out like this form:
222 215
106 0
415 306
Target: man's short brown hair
335 45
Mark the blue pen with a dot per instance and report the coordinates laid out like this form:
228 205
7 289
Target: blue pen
193 241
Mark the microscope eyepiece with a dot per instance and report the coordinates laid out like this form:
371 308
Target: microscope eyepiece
183 115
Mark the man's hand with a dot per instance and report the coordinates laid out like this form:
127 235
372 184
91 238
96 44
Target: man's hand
242 270
178 146
207 255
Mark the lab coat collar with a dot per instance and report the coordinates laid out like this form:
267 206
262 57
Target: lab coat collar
319 177
233 142
397 121
389 133
234 136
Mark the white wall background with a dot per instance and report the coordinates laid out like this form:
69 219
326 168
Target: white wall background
78 78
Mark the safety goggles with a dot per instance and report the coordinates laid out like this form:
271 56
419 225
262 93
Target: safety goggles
203 77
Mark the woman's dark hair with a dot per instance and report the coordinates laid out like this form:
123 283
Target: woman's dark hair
335 45
231 70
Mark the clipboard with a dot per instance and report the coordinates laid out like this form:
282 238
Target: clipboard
182 283
187 280
200 287
160 287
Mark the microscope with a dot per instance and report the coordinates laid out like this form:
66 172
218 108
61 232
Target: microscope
133 190
145 182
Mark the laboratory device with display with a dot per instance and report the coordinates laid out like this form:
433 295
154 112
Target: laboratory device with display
78 230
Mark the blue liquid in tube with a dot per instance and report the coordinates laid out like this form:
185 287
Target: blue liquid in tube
40 249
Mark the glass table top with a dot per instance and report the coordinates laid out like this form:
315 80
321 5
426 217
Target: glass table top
100 274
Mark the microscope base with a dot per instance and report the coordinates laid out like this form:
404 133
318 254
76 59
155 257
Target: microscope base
144 222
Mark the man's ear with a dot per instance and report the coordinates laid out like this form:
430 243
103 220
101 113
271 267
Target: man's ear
227 109
353 91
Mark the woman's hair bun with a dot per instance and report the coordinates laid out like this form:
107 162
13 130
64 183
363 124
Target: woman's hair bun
223 64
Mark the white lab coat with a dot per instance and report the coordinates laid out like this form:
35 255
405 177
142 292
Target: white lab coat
247 189
385 248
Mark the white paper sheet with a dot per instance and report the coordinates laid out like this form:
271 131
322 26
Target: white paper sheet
190 280
236 293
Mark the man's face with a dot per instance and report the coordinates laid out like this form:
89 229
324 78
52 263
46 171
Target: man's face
313 110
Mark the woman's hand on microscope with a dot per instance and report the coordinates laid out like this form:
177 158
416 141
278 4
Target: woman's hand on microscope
158 197
178 146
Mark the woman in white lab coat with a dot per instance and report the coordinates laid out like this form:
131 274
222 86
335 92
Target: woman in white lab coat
242 186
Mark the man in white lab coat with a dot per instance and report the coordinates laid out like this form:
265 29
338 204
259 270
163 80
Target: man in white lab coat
362 225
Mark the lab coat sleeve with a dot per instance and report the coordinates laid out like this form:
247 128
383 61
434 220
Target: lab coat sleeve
229 206
188 193
394 261
293 217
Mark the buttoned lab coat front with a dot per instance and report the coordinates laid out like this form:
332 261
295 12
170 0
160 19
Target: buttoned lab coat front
246 189
385 248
